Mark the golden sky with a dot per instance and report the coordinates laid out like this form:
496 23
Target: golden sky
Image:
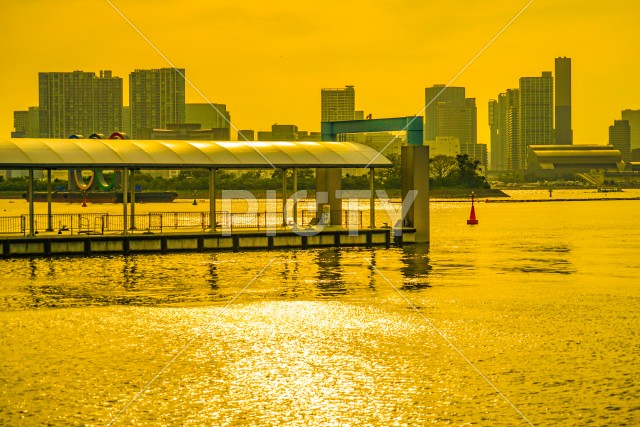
268 60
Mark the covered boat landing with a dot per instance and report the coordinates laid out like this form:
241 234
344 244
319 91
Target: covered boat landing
326 157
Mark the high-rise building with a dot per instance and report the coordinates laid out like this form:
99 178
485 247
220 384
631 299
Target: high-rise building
620 138
26 123
126 120
436 97
497 118
536 113
78 102
515 155
458 118
337 104
633 117
564 133
20 124
156 99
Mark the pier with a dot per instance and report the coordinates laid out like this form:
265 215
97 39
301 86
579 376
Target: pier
86 244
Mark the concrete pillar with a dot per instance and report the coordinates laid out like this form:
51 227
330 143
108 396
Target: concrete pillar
415 176
295 197
372 200
49 217
125 201
132 184
330 181
212 199
284 197
32 225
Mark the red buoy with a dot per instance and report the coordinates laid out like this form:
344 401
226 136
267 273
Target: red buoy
472 218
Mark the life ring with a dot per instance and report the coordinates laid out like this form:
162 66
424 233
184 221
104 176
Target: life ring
80 182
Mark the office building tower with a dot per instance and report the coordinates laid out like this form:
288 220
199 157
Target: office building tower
449 113
156 98
126 120
536 113
78 102
497 121
436 97
633 117
337 104
107 103
514 158
20 123
564 133
476 152
620 138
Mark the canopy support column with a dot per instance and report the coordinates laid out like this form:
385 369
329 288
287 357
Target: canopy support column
212 199
49 217
284 197
125 189
132 185
295 197
32 231
372 201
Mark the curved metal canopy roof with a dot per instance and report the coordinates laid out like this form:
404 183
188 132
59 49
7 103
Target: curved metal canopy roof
32 153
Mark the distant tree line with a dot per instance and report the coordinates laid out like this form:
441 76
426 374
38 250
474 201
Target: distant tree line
455 172
444 172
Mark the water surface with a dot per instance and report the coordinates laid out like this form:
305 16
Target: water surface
540 298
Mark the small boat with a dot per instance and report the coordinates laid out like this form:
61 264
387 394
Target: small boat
103 196
609 189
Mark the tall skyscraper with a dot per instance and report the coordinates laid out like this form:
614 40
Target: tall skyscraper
620 138
448 113
564 132
156 99
337 104
536 113
633 117
515 155
79 103
497 118
435 96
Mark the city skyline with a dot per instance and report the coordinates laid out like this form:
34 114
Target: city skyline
276 61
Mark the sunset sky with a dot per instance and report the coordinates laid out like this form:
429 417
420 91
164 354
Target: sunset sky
267 61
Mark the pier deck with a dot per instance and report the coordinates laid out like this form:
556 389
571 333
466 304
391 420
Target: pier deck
51 245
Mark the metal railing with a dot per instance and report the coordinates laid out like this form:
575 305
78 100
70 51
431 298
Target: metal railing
100 223
12 225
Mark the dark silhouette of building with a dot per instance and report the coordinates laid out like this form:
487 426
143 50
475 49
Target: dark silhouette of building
620 138
449 113
79 103
156 98
564 132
